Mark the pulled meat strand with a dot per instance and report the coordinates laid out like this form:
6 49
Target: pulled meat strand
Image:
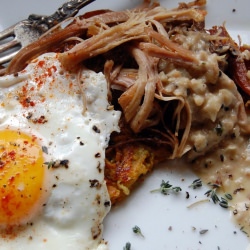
167 48
192 4
130 99
106 40
51 40
162 15
155 51
144 87
40 46
182 106
79 27
124 79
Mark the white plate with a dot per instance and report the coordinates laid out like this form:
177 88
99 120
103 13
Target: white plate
165 221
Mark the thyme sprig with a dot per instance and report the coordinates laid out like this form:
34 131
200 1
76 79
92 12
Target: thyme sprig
196 184
212 193
165 187
137 230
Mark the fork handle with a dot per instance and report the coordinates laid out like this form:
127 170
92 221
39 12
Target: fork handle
68 9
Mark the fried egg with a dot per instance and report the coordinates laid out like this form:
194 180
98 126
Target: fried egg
54 128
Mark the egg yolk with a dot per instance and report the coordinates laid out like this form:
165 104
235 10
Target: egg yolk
21 176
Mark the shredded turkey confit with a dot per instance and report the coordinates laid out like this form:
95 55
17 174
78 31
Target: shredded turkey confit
171 78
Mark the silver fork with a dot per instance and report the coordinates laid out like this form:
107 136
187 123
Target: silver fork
26 31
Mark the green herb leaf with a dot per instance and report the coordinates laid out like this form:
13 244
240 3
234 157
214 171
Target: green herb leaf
165 187
137 230
223 203
127 246
196 184
212 194
229 196
50 164
57 163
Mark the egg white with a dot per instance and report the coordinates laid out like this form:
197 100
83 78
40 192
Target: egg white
76 127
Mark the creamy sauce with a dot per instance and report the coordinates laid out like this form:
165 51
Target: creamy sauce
229 167
216 147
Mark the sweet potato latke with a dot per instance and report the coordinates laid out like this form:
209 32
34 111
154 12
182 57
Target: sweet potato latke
179 86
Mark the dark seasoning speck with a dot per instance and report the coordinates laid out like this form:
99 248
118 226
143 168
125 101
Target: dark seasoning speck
98 155
95 183
99 168
107 204
81 143
96 129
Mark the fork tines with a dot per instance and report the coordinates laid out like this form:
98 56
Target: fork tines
9 45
